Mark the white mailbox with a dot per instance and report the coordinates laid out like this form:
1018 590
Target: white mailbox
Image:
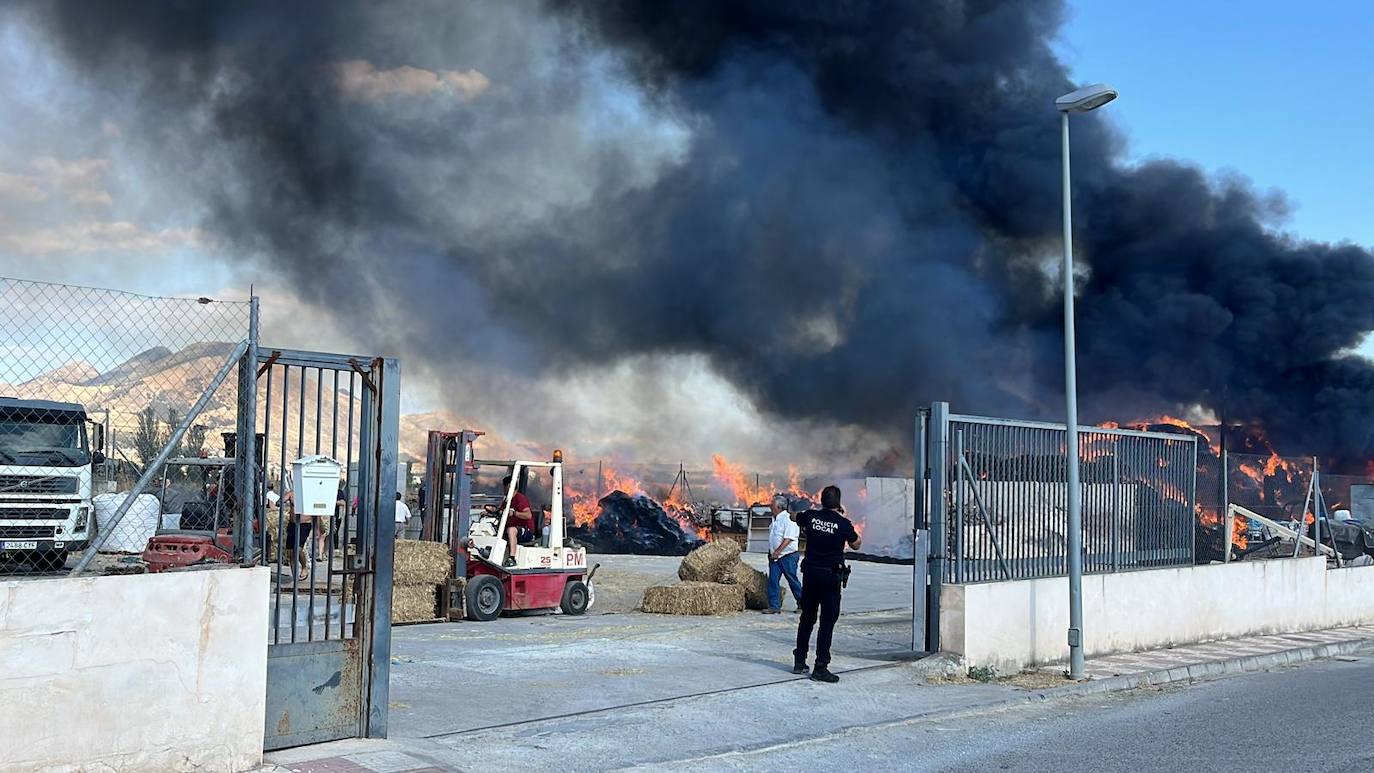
315 482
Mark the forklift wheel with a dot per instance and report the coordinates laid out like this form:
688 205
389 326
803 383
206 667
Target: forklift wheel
485 598
575 598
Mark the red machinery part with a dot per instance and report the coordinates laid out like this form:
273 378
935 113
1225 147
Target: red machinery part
173 551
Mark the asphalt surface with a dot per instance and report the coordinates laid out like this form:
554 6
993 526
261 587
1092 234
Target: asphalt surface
1310 717
1307 718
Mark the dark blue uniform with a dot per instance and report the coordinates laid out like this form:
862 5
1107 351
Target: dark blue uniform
826 533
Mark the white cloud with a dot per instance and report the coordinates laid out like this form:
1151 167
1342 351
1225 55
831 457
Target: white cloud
21 188
360 79
79 181
100 236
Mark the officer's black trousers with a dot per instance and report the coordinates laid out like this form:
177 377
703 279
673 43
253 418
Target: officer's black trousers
820 590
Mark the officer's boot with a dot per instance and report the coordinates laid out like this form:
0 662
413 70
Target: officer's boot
822 674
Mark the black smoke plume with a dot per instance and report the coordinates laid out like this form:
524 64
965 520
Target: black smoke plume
856 219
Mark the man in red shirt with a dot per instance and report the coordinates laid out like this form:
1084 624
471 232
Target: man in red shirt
520 525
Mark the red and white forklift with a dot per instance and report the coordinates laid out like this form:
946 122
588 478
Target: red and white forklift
546 574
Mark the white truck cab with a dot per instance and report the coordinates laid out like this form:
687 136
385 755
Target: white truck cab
46 466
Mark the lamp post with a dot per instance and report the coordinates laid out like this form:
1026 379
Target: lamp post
1080 101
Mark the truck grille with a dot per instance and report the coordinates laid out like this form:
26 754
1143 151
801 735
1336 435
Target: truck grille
38 484
26 532
34 514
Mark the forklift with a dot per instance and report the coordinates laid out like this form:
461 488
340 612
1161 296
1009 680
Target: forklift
546 574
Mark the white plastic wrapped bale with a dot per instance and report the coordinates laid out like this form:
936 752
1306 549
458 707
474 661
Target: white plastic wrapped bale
139 524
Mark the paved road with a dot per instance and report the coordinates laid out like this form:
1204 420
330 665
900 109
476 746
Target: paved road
1307 718
1311 718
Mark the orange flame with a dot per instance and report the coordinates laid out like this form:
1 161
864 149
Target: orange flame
1240 531
733 478
1252 472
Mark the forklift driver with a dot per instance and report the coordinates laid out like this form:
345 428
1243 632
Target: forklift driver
520 526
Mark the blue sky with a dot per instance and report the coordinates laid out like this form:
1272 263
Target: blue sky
1279 92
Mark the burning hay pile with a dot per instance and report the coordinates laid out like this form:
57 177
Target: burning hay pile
715 581
637 525
421 570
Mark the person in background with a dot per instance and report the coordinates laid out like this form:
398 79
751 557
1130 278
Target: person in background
402 516
324 526
827 532
340 512
783 535
297 541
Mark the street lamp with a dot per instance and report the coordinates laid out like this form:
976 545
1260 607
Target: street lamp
1080 101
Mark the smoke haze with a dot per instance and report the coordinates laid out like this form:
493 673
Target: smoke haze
846 210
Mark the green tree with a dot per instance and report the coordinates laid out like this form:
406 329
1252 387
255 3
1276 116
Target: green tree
148 437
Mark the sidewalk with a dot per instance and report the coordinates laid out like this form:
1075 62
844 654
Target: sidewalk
763 716
1192 662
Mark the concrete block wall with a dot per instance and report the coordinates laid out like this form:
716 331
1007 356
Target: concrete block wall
162 672
1012 625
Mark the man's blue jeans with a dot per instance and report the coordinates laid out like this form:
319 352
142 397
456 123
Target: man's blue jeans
783 567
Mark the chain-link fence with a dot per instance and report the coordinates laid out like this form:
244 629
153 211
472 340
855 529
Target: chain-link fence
93 385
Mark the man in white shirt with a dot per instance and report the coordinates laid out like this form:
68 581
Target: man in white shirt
402 516
782 556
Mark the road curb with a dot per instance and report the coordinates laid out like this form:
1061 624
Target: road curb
1198 672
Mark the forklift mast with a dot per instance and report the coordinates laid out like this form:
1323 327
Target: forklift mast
449 465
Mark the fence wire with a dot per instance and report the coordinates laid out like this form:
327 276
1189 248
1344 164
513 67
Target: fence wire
92 384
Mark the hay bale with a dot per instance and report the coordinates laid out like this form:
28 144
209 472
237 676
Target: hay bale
421 562
706 563
414 603
754 583
693 598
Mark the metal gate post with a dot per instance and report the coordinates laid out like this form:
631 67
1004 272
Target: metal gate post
246 441
938 443
388 430
919 562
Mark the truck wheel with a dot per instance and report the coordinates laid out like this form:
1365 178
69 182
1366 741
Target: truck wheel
575 598
486 597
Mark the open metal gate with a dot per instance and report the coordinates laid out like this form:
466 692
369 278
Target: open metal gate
329 647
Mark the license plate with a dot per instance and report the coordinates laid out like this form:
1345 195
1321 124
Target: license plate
12 545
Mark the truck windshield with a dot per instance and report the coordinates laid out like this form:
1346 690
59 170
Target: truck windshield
53 440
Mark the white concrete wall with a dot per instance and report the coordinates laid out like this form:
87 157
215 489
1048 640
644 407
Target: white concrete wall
163 672
1011 625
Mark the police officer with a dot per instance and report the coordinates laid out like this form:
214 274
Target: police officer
826 531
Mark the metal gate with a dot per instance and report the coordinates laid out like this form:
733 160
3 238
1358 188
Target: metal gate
994 495
329 648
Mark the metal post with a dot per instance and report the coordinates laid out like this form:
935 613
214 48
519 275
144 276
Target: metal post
918 561
1075 525
1116 505
1302 517
1317 508
246 444
1225 499
1192 507
151 470
938 433
960 539
387 372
